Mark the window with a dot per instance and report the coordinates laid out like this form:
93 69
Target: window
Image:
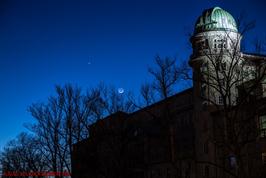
237 70
206 45
204 67
205 127
168 173
207 171
203 91
220 65
222 82
220 43
232 161
204 106
246 73
262 120
263 90
135 133
217 66
220 100
263 156
206 147
223 66
203 44
253 74
225 46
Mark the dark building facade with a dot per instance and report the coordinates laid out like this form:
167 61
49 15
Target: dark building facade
180 136
140 144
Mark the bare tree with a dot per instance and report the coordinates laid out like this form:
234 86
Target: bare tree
147 93
166 75
67 117
48 131
22 155
59 124
114 101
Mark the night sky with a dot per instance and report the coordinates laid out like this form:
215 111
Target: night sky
48 42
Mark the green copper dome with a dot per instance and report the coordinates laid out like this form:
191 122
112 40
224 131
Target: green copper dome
215 19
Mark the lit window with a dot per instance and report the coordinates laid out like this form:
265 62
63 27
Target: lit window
232 161
262 125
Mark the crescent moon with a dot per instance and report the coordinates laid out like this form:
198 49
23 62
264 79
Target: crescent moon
121 90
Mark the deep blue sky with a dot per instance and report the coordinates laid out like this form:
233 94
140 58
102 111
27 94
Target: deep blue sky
48 42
